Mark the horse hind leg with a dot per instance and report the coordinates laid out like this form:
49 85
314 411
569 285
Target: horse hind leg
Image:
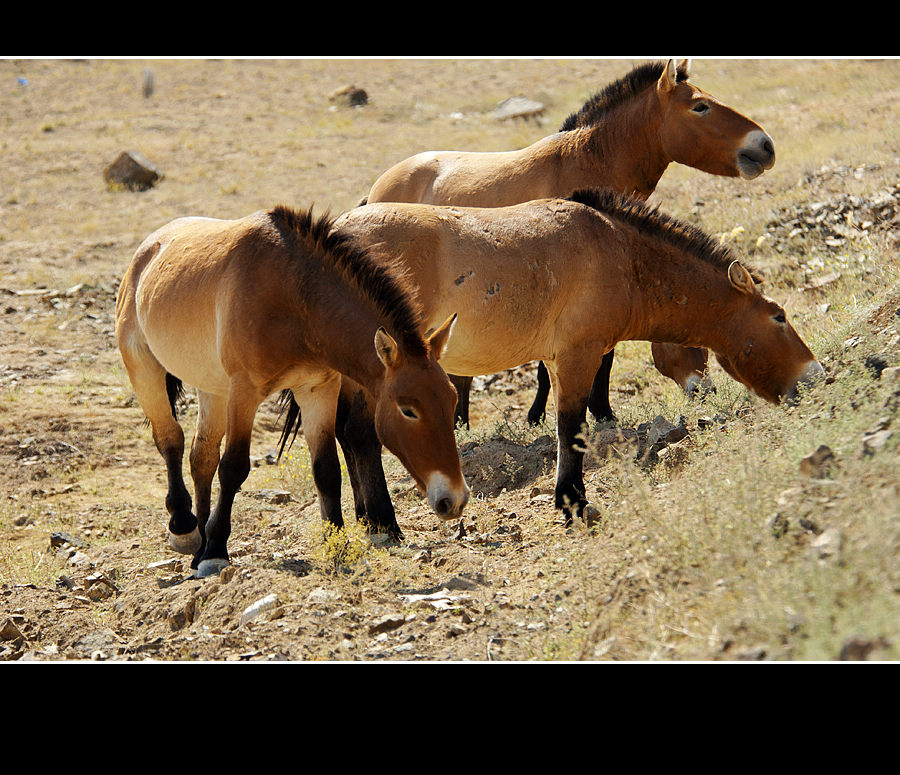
234 468
156 392
539 405
598 402
204 459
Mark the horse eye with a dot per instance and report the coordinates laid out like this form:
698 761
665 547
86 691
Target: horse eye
407 411
700 107
780 318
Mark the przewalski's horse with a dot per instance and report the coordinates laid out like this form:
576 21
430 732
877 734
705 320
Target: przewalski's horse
623 138
564 280
278 301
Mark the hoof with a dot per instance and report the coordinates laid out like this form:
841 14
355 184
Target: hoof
212 567
186 543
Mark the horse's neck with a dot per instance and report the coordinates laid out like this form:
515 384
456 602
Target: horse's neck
678 299
344 333
621 152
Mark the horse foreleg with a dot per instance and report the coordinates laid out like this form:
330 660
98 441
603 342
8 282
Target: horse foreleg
234 467
318 406
362 450
598 403
539 405
571 410
205 459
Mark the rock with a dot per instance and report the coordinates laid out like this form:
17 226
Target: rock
873 441
386 624
518 107
857 648
147 83
132 171
9 630
271 496
819 463
321 595
827 546
350 96
876 364
262 605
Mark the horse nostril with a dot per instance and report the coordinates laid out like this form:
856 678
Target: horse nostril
769 147
443 506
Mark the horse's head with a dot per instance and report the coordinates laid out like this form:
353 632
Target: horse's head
701 132
414 420
764 351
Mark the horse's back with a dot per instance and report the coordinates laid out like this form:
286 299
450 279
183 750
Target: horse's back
464 178
512 274
183 283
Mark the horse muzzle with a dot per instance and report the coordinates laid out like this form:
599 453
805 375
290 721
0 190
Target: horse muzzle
811 374
446 500
756 155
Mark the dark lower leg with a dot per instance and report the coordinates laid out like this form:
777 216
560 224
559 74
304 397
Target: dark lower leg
598 403
233 471
570 492
463 387
539 406
362 448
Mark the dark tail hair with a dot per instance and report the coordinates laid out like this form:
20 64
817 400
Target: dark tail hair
175 391
292 420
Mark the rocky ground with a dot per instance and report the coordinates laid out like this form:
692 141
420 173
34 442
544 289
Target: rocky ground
88 576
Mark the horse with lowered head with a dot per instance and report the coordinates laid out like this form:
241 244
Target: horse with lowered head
622 138
243 308
563 281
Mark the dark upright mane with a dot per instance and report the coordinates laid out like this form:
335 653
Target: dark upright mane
650 221
617 93
375 281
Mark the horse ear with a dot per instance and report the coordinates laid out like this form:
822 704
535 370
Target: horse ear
684 69
386 347
668 78
740 278
437 342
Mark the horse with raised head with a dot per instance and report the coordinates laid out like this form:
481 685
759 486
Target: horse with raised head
563 281
623 138
240 309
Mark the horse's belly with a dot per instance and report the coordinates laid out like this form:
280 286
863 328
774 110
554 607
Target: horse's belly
497 328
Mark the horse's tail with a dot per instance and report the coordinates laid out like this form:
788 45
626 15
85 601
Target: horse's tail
175 391
292 420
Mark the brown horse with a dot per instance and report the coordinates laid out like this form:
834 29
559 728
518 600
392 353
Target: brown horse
623 138
564 280
278 301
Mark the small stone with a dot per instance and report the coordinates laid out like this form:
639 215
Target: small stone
9 630
262 605
818 463
321 596
827 546
132 171
518 107
875 440
386 624
857 648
